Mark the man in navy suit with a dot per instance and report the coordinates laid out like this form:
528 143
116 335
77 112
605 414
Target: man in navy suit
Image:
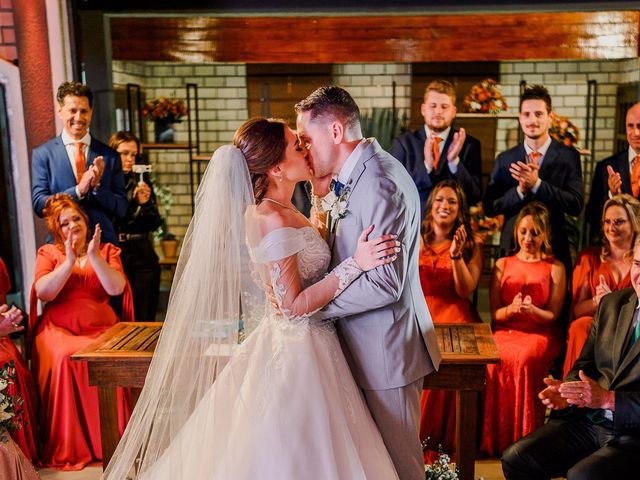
540 169
79 165
439 152
618 173
595 432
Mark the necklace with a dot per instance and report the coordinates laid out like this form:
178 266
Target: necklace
281 204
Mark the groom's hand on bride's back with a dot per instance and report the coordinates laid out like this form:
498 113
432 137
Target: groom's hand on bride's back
379 251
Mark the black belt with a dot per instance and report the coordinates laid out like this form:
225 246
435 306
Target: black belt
123 237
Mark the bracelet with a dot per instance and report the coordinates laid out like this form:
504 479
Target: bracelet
457 257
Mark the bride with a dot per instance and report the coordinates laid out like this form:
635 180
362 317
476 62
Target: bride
281 405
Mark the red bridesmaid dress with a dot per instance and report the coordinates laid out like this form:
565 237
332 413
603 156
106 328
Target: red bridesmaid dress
527 350
69 412
438 407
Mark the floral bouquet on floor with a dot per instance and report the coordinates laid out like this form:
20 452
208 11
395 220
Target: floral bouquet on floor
482 225
563 130
10 405
170 110
484 97
441 468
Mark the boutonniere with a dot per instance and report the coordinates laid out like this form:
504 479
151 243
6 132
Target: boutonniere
335 206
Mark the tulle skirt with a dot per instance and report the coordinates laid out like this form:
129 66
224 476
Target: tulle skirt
286 406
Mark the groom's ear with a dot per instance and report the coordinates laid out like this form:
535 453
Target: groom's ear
337 132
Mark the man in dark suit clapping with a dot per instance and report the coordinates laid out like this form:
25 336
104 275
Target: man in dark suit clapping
79 165
437 151
619 173
596 432
539 169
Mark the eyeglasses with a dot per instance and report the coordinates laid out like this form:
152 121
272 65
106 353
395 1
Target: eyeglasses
616 223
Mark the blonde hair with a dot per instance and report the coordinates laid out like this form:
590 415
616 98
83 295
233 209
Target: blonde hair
540 216
632 206
441 86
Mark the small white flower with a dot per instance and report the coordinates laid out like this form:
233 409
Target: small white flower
475 105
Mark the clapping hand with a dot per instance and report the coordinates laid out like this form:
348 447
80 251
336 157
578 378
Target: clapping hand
142 193
93 249
515 306
458 242
428 153
614 181
98 169
601 290
587 393
373 253
456 145
70 250
87 181
551 396
10 319
525 174
527 305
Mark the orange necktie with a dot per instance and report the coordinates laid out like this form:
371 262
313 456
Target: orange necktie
436 152
80 163
535 158
635 176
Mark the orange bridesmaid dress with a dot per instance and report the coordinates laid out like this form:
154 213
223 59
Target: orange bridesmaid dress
527 350
438 407
588 269
26 437
69 412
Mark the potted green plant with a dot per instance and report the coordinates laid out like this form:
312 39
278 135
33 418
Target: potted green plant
168 241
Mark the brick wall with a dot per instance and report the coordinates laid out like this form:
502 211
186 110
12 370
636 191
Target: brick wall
222 107
8 49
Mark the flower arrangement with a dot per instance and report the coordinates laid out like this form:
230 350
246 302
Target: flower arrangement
170 110
484 97
335 205
441 468
10 405
563 130
165 198
482 225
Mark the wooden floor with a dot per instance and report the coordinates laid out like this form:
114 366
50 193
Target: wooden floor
485 470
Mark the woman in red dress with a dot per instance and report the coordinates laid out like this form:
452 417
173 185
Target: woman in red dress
450 267
602 270
75 276
27 436
526 293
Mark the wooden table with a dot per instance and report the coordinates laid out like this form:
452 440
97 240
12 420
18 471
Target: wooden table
466 350
121 357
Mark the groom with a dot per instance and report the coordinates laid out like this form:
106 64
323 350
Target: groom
383 320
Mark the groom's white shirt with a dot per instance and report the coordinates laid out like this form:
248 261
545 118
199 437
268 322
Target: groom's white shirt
350 163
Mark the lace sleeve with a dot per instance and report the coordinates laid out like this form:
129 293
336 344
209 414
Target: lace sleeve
296 302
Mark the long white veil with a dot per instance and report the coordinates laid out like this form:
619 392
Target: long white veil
213 299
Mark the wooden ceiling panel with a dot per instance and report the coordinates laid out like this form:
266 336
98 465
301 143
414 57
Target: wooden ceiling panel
436 38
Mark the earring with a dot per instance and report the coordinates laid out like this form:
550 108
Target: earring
280 178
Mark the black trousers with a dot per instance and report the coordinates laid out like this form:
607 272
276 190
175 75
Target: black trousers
141 266
575 448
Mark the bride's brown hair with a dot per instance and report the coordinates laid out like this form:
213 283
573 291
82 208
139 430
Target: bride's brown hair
262 142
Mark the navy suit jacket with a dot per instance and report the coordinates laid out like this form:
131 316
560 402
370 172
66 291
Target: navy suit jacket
609 358
600 188
561 190
409 149
51 173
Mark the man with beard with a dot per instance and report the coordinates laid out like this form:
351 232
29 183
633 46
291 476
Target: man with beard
539 169
439 152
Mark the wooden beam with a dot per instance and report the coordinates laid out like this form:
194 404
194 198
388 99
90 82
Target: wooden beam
426 38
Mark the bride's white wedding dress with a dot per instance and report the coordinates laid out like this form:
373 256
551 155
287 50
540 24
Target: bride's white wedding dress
286 406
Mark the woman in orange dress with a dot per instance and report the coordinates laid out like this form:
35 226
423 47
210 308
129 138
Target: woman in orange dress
602 270
27 436
75 276
450 267
526 294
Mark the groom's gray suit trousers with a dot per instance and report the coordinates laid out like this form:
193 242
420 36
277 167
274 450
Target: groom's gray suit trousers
397 414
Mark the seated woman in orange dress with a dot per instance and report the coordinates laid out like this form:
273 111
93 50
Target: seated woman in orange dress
450 267
75 276
602 270
27 436
526 293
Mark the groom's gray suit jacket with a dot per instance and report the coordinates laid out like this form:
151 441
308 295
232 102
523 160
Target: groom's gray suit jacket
384 322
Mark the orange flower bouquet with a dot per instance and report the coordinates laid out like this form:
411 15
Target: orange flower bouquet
485 97
165 109
564 131
482 225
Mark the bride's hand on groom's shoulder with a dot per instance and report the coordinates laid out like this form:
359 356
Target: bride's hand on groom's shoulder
379 251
